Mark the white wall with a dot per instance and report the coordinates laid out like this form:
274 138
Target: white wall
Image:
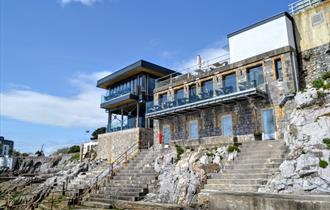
260 39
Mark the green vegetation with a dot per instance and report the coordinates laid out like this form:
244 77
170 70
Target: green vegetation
68 150
319 82
97 132
323 163
179 151
74 149
326 75
326 141
231 148
320 94
75 157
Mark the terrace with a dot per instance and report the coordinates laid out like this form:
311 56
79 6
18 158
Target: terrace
206 98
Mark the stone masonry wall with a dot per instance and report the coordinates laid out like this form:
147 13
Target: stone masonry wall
313 63
111 145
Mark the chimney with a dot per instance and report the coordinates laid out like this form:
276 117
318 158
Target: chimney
199 62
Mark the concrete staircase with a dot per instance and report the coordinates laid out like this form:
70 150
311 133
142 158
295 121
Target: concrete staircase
130 183
250 170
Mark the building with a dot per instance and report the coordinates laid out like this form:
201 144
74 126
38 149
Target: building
128 91
246 96
6 152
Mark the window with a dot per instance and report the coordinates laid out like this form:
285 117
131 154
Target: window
207 86
166 134
179 94
255 74
193 129
229 83
151 85
162 99
278 69
227 125
192 90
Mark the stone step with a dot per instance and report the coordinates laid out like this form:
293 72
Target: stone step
111 194
128 185
95 204
241 176
252 166
124 189
232 187
141 171
258 161
250 171
132 177
238 181
267 152
259 156
110 200
122 181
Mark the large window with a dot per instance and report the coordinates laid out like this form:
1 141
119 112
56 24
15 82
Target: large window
227 125
193 129
162 100
192 90
255 75
229 83
278 69
151 85
207 86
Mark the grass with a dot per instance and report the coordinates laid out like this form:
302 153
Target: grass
326 141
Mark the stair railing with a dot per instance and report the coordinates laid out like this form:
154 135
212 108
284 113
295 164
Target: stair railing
109 172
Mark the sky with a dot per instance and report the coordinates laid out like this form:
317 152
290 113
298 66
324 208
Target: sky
53 51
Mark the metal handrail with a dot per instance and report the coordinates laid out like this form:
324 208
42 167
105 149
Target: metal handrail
300 5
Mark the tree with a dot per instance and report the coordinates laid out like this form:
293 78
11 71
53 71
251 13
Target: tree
97 132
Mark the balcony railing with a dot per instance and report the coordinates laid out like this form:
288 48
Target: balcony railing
110 96
300 5
128 124
243 87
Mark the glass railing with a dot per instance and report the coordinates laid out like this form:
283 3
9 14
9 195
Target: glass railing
130 123
243 86
111 96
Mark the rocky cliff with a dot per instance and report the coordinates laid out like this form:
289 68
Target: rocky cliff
306 168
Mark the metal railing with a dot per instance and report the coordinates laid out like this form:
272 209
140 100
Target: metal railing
220 92
114 95
300 5
192 71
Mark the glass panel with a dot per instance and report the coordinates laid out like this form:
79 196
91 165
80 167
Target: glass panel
151 85
167 134
227 126
179 94
268 124
207 86
143 82
256 74
193 129
162 99
278 69
229 83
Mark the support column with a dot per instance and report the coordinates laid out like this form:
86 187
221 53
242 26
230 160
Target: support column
137 114
109 121
122 117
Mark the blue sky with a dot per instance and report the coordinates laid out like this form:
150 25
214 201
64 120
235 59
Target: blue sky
52 52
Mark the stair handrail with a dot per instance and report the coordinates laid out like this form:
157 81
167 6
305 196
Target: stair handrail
110 170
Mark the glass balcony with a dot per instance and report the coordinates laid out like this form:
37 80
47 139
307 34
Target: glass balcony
247 87
113 95
128 124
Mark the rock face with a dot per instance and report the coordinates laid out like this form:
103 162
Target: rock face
181 180
309 126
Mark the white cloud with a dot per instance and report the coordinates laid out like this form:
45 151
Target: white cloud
209 55
80 110
84 2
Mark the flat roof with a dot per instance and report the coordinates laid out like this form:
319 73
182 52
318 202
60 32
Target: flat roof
274 17
132 70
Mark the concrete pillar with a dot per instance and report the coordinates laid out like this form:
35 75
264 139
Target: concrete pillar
122 117
137 114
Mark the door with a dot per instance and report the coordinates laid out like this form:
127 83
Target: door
193 130
268 124
167 134
227 125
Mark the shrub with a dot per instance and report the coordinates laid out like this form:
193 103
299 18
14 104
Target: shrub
74 149
318 83
232 148
327 86
75 157
323 163
320 94
179 151
326 75
97 132
327 142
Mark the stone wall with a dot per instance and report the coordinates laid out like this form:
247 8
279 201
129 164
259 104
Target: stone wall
313 63
112 145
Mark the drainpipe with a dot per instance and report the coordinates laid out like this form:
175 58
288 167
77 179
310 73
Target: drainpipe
294 56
